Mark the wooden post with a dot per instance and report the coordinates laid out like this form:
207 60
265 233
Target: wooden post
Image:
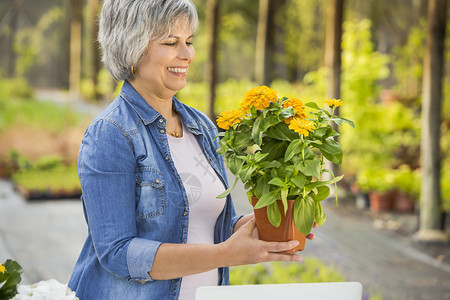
333 39
212 16
430 206
75 48
262 42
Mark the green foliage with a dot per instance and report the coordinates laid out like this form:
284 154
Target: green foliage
45 115
14 88
276 158
29 44
311 270
48 175
303 37
9 279
408 62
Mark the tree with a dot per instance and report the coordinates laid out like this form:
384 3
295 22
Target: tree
430 209
212 21
75 47
265 22
333 51
93 44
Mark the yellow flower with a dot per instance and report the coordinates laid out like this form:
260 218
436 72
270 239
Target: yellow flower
260 97
298 106
333 102
2 268
229 118
302 126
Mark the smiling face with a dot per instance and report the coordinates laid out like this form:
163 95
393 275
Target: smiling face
163 68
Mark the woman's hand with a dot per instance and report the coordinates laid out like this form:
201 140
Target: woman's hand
244 248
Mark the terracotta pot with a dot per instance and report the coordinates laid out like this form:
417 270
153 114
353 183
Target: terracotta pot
381 201
285 232
403 203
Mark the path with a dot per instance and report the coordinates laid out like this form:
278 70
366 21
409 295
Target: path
46 237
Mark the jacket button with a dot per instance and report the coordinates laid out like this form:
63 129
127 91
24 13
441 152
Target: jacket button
167 157
157 180
185 213
161 131
161 120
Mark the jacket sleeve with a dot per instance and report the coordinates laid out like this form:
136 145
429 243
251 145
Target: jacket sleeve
106 170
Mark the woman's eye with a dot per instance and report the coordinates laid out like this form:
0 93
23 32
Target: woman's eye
189 43
170 44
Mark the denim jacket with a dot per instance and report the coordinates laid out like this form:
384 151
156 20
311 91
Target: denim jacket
134 199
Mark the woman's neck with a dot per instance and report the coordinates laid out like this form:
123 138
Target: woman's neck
160 103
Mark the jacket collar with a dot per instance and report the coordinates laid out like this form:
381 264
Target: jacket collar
149 115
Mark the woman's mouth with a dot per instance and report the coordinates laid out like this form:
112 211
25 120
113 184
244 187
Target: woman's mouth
178 71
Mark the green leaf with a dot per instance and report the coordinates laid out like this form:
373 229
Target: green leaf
284 195
269 164
233 163
241 140
312 105
304 214
267 199
299 180
228 190
330 146
273 214
310 167
256 132
282 132
275 148
260 156
247 172
262 187
349 122
294 148
11 279
277 181
315 184
286 113
269 122
320 132
320 193
319 214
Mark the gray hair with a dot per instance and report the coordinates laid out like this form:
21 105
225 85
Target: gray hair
127 26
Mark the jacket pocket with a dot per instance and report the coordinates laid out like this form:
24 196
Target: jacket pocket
150 193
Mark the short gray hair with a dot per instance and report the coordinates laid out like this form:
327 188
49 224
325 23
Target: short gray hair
127 26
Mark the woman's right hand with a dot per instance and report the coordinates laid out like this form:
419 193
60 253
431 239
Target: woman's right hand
244 248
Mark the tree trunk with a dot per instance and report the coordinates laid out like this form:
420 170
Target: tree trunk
430 205
75 48
212 16
94 45
14 20
333 51
263 42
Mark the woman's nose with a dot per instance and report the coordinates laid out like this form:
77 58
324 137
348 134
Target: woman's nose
187 52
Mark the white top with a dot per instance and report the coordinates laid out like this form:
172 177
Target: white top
202 186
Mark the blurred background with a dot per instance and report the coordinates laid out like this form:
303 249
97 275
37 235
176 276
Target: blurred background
385 59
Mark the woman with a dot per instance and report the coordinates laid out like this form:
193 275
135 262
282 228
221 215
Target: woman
150 172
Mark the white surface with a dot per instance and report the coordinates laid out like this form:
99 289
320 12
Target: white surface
295 291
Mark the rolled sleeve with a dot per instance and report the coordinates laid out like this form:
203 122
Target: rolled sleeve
140 256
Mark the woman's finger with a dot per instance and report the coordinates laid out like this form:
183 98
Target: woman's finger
280 246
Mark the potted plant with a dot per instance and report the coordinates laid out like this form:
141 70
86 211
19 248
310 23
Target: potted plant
379 183
278 153
408 184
